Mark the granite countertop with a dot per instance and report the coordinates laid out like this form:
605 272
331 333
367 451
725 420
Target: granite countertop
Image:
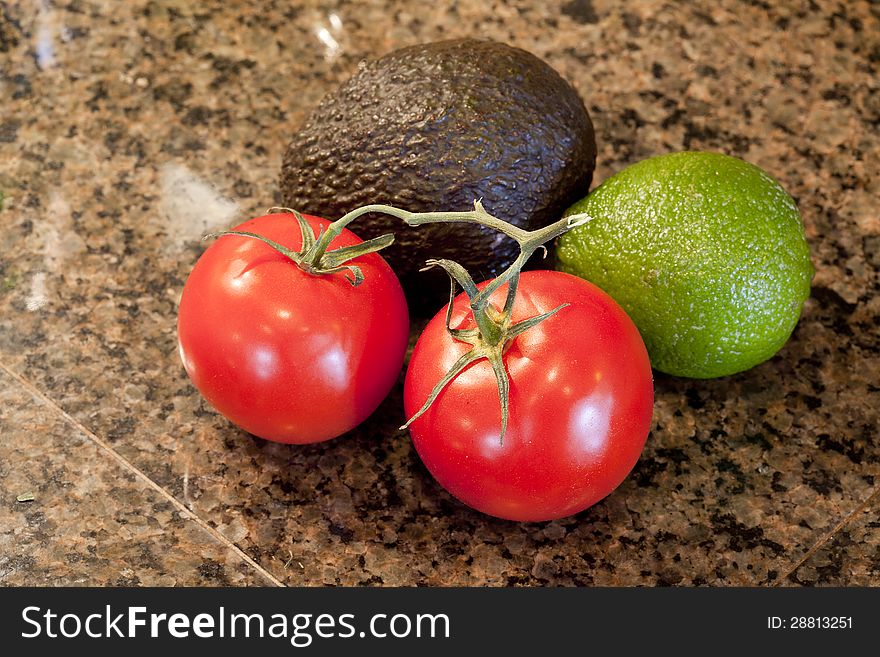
128 130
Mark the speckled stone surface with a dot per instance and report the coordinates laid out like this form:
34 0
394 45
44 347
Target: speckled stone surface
852 555
128 130
70 513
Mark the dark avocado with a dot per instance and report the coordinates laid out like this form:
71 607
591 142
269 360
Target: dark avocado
434 127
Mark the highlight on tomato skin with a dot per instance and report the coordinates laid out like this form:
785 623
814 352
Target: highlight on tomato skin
581 400
287 355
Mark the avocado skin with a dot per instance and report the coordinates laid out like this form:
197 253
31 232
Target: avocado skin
433 127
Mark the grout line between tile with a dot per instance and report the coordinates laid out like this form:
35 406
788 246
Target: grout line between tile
829 535
128 465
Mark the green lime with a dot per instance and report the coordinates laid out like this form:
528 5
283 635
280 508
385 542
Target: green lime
705 252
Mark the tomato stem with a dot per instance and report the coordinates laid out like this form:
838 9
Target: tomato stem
313 257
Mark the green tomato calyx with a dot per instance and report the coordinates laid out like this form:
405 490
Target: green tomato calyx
314 258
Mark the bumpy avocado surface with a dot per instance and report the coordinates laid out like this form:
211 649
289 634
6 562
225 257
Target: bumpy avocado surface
434 127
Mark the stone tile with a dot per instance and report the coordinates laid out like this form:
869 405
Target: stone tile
115 164
91 521
849 558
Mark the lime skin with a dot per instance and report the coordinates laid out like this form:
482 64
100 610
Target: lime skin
705 252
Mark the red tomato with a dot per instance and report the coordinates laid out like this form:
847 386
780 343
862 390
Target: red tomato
286 355
581 397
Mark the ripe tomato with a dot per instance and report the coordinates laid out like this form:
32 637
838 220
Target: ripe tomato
283 354
581 397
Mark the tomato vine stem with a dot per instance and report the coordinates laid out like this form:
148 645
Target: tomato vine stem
494 330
